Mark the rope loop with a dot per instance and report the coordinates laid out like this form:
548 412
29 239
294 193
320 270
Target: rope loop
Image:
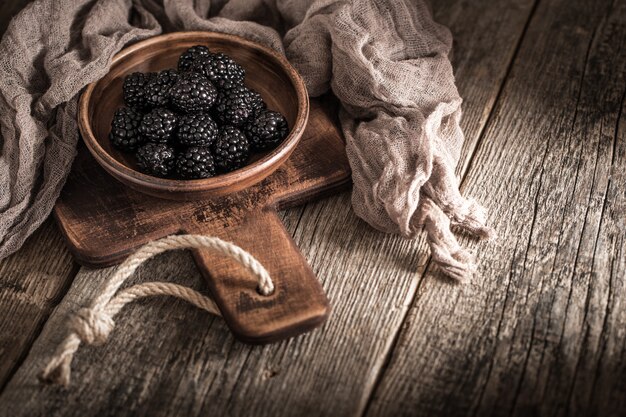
93 324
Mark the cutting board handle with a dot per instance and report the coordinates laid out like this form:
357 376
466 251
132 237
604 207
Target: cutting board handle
298 302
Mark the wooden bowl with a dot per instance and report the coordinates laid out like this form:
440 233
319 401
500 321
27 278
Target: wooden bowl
267 72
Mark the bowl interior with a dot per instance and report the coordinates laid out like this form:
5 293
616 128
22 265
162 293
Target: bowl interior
264 73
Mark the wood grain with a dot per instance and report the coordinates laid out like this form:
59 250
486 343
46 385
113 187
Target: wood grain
30 287
370 278
540 331
298 303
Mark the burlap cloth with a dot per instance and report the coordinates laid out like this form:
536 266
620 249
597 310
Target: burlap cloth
387 62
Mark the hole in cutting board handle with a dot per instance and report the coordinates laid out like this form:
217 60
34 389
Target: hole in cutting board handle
258 291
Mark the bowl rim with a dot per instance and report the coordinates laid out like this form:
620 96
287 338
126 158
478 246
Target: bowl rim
222 181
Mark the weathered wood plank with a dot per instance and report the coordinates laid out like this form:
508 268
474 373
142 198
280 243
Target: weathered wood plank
540 331
193 366
32 280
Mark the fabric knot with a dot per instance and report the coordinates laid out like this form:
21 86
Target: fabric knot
92 327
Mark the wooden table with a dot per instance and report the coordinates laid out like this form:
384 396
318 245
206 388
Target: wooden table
540 330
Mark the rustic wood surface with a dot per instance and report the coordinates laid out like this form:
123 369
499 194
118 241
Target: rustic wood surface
540 330
32 282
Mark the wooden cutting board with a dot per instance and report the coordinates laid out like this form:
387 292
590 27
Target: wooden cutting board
103 222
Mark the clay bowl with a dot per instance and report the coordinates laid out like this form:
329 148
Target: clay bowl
266 71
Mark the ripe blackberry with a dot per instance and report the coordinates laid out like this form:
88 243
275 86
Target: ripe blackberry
267 130
233 105
125 129
158 125
221 70
231 149
156 159
197 130
256 103
195 162
134 89
157 90
191 56
193 93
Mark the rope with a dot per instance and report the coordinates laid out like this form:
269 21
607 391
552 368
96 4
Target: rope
92 325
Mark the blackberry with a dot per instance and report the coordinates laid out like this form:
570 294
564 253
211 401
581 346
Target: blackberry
256 103
157 90
197 130
195 162
125 129
267 130
134 89
158 125
193 93
191 56
221 70
233 105
231 149
156 159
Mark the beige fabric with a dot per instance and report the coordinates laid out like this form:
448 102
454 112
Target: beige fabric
387 62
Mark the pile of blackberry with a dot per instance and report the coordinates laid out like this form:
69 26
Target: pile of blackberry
196 121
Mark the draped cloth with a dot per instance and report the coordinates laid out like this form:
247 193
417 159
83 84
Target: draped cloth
386 62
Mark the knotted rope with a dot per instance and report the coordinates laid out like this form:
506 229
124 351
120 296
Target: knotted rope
92 325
